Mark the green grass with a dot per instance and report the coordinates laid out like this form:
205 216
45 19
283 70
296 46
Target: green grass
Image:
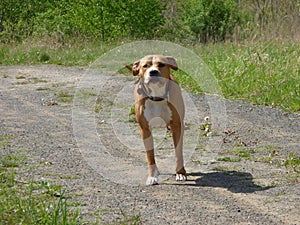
29 201
264 73
64 96
32 202
125 219
293 161
32 51
229 159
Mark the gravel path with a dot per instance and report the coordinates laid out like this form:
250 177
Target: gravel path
79 135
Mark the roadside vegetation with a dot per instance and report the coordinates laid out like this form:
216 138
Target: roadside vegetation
251 46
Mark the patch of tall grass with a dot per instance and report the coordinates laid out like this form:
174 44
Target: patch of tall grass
32 202
265 73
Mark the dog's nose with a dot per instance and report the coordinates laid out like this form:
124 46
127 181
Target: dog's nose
153 73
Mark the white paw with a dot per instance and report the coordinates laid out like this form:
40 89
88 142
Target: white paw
153 175
180 177
152 181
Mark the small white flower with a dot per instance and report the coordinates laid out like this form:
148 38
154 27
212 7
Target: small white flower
206 118
209 134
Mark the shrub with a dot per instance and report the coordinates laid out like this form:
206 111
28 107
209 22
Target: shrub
62 19
211 19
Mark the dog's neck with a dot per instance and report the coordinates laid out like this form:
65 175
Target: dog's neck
151 95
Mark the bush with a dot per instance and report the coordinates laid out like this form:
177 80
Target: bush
175 20
103 19
211 19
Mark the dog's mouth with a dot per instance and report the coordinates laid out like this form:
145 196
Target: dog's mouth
156 78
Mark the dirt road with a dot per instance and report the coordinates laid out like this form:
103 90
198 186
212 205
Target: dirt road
239 175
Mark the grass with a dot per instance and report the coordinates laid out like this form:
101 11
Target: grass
229 159
264 73
37 202
31 202
125 219
32 51
293 161
5 140
64 96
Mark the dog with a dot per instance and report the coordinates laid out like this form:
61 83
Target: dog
159 103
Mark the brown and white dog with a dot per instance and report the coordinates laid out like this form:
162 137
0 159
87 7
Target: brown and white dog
159 103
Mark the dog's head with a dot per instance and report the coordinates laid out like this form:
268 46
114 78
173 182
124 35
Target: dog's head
154 68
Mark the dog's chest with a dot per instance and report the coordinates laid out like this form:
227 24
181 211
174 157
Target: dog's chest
157 113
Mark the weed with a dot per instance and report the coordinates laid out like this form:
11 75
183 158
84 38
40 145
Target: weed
242 153
20 76
5 140
293 161
57 84
64 96
229 159
206 127
35 80
12 160
98 105
131 115
126 219
43 89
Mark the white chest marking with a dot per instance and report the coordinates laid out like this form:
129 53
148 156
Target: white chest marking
157 113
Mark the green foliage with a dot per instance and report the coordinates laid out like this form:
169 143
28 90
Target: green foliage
61 19
17 16
211 19
180 20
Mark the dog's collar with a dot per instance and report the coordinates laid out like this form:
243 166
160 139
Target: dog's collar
154 98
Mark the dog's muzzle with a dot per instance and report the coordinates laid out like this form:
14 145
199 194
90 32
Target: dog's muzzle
154 76
154 73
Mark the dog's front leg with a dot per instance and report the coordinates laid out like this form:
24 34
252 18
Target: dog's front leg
147 138
177 134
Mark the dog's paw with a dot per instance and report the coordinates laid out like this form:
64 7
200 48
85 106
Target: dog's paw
180 177
153 175
152 181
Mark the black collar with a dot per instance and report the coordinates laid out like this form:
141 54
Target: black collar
154 98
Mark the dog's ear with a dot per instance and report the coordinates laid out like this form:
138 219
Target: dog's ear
172 62
135 68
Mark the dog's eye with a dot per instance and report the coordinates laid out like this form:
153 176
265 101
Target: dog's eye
161 65
145 66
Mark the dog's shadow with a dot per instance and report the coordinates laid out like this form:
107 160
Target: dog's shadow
236 182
